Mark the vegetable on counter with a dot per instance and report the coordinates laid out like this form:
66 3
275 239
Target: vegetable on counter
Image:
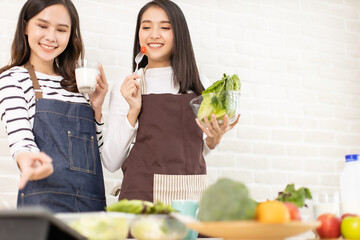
139 207
219 98
226 200
152 220
298 197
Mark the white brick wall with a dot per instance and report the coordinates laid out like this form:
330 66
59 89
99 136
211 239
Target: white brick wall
298 61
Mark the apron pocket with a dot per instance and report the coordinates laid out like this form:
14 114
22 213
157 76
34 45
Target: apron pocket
82 153
178 187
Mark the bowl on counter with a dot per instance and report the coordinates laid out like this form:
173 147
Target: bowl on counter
99 225
219 103
252 230
157 227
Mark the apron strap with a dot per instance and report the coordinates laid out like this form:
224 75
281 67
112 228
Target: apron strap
116 190
36 86
142 82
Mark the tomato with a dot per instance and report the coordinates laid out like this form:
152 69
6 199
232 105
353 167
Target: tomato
350 227
143 50
294 211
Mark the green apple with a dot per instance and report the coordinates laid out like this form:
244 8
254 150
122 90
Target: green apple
350 227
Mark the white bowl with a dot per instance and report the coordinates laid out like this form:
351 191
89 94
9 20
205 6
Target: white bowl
157 227
99 225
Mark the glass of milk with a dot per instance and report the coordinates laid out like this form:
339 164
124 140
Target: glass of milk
326 202
85 75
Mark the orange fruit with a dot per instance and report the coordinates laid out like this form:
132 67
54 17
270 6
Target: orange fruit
272 212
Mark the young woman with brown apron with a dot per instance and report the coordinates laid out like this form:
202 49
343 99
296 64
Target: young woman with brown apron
166 161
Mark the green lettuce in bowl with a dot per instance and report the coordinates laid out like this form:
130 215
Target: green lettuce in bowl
221 98
152 221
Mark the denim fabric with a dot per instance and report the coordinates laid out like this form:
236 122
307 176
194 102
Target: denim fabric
67 133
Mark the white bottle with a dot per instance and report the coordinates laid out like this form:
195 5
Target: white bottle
350 185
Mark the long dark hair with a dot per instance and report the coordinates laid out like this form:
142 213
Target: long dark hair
65 63
183 63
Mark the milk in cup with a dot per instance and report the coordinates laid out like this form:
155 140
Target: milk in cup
86 78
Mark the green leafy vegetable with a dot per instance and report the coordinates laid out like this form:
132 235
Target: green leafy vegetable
298 197
220 97
139 207
225 84
226 200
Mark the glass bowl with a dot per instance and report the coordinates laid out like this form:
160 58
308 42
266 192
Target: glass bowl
220 103
99 225
157 227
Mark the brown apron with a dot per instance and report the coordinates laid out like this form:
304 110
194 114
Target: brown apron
166 161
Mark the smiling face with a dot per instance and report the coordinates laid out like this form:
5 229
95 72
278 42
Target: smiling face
48 35
156 35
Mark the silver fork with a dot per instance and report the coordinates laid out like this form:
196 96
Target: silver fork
138 59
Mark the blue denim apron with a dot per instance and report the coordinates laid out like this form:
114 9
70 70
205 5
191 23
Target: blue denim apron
67 133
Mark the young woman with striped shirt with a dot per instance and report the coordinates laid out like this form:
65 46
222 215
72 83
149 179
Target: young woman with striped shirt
54 131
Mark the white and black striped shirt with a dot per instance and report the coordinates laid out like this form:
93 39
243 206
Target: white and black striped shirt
17 106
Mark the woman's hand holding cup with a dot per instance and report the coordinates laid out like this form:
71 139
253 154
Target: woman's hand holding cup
91 79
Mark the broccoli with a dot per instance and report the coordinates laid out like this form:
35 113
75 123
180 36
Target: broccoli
226 200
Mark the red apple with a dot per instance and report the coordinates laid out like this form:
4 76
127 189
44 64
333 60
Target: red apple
330 226
348 215
294 211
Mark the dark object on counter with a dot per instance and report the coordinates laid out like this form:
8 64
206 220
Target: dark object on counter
34 224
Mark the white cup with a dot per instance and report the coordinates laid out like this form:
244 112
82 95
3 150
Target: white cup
85 75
